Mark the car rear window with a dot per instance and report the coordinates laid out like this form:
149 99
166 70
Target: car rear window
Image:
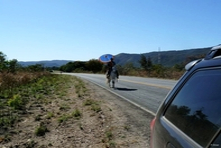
196 109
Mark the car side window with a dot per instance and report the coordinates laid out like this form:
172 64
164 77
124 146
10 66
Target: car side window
195 109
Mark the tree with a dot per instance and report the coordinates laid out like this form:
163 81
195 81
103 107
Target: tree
71 66
178 67
149 63
143 62
36 68
129 69
158 70
12 65
94 65
3 65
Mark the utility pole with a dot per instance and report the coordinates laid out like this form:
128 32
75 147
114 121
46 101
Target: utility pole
159 59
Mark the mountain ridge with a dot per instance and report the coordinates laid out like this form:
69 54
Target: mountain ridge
45 63
166 58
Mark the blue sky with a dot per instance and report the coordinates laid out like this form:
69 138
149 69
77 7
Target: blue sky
34 30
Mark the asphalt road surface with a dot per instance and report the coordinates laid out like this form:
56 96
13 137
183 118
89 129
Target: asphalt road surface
147 93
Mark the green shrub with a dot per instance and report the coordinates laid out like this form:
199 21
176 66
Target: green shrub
89 102
7 120
64 107
109 135
112 144
50 115
41 130
63 118
76 113
15 102
96 107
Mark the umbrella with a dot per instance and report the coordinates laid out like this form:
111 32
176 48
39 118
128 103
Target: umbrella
106 58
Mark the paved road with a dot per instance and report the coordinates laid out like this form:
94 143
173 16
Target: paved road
146 93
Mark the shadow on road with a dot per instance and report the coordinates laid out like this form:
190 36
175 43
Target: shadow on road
125 89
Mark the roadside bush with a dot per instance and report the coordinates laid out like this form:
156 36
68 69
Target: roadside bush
15 102
41 130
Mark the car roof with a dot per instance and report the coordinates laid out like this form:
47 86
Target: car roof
213 58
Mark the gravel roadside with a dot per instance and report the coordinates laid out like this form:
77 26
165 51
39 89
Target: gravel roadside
136 119
95 118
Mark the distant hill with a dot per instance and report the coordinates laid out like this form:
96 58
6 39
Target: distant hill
53 63
165 58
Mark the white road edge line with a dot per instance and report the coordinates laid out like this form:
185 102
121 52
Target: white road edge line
144 109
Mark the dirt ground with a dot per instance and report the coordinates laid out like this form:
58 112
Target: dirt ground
118 124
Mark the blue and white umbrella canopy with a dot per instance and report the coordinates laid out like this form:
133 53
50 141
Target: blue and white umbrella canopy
106 58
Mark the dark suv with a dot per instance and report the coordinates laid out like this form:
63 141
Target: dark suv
190 115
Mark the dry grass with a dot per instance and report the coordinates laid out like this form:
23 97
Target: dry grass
15 92
23 92
61 111
10 80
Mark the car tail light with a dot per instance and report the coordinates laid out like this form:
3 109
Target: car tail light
151 131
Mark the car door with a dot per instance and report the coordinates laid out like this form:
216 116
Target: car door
192 117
